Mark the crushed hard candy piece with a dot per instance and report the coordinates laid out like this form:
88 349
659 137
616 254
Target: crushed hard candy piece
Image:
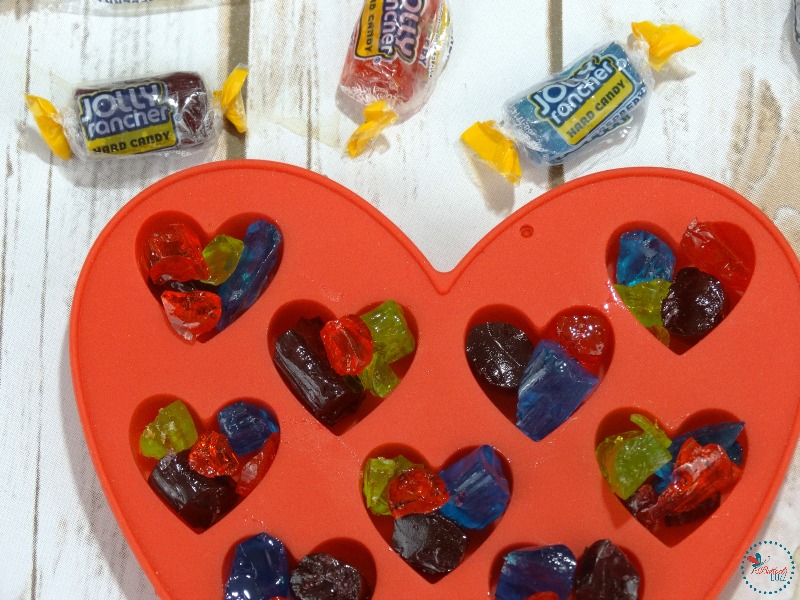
708 250
324 577
246 426
641 505
192 314
699 512
254 469
586 336
378 378
479 493
643 256
553 386
200 501
174 253
724 434
416 490
498 353
535 570
696 303
431 543
378 472
222 255
211 456
172 430
605 573
391 337
348 344
260 570
644 300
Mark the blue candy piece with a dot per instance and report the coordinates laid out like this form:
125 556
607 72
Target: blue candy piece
724 434
539 569
643 257
262 244
247 427
260 570
567 111
478 489
553 386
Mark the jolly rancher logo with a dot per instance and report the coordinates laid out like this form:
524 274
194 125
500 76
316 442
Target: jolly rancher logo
389 29
767 567
579 103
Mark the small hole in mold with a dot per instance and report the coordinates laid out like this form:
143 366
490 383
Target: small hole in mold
618 422
526 231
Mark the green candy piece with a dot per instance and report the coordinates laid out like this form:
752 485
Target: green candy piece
378 378
391 337
644 300
172 430
222 255
627 460
378 472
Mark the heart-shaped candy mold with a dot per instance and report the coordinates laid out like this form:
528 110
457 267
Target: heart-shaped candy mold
547 256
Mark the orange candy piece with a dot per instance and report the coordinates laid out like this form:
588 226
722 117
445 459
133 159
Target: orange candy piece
416 490
212 456
348 344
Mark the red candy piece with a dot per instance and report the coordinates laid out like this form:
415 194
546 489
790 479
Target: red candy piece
707 250
416 490
348 344
192 313
585 336
212 456
175 253
641 504
254 470
700 473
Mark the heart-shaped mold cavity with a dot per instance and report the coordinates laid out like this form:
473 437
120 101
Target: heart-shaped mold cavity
201 309
202 468
713 263
538 379
444 525
669 483
301 354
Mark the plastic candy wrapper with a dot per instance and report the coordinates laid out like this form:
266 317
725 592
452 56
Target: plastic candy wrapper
398 50
130 7
172 113
599 97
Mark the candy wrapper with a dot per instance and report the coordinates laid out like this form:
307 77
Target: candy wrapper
598 98
398 50
173 113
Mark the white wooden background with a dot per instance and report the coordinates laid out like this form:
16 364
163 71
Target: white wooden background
732 115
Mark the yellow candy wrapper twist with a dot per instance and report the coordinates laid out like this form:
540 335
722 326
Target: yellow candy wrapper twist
49 124
377 117
230 98
494 148
663 41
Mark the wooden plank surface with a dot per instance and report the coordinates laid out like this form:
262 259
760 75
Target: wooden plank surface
730 112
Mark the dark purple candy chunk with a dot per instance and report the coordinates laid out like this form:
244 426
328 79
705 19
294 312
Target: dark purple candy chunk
200 501
431 543
323 577
606 574
301 358
696 303
498 353
260 570
539 569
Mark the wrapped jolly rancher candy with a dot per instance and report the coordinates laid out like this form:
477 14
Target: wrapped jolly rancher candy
593 98
175 112
398 50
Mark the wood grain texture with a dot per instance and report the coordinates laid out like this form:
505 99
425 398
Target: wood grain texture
729 111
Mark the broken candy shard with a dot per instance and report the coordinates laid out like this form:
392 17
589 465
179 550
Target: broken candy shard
324 577
696 303
644 300
605 573
553 386
262 245
211 456
498 353
260 570
200 501
246 426
708 250
378 472
430 543
391 337
174 252
535 570
416 490
192 314
172 430
699 512
643 256
586 336
378 378
348 344
479 493
254 469
300 357
641 504
222 255
724 434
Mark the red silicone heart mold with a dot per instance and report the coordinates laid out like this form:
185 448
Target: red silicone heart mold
547 256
